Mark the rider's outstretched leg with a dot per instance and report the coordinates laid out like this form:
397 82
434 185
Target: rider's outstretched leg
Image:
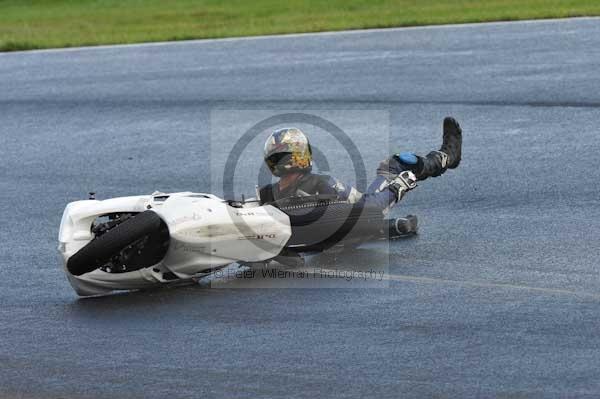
448 156
392 176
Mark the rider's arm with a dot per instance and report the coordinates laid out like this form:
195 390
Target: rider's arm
343 192
394 179
377 195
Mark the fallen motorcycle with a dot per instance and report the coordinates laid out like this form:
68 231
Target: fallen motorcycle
138 242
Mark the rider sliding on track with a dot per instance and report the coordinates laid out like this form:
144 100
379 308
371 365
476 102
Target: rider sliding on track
288 155
143 241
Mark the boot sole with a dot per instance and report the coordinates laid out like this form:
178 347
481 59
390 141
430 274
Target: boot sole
452 127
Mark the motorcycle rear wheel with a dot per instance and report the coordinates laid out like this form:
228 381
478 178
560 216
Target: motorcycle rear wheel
101 249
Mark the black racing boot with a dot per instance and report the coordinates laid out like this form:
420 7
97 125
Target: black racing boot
452 142
448 157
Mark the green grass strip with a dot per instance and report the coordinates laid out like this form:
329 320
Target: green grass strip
35 24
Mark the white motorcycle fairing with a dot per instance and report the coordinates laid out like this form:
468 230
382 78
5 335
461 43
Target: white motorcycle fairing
205 231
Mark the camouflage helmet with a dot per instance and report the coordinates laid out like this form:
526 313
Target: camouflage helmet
288 150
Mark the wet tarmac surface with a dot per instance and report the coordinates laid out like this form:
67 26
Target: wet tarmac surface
498 296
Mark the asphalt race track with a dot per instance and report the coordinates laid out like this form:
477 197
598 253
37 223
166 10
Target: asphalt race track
499 295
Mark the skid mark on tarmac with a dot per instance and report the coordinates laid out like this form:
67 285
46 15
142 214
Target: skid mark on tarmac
233 277
477 284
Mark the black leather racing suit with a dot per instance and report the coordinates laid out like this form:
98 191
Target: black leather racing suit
392 180
380 192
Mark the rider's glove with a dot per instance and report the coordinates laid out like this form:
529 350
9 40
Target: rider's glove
399 173
402 183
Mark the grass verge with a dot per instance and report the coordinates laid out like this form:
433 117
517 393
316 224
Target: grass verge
36 24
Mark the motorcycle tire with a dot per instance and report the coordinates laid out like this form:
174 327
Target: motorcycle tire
101 249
